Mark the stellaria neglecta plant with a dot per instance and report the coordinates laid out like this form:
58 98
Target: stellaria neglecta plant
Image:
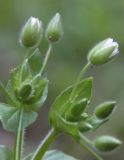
27 90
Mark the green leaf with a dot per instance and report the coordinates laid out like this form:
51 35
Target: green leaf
57 155
10 117
53 155
10 91
62 105
5 153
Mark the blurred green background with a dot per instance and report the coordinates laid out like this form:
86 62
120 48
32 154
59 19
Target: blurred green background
85 23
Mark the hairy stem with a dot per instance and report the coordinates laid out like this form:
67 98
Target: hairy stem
85 68
39 153
46 58
19 139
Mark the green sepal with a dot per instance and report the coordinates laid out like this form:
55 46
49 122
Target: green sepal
40 86
62 105
5 153
9 117
53 155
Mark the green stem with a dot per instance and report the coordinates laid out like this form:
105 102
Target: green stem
6 94
39 153
86 140
90 151
46 58
22 66
19 139
85 68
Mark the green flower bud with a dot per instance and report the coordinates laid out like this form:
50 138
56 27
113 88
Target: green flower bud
106 143
24 92
31 33
96 122
54 30
84 126
105 109
79 107
83 116
103 52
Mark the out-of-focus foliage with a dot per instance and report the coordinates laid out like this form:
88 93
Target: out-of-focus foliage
85 23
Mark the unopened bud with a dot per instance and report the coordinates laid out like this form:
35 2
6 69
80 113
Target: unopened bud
106 143
84 126
103 52
54 30
105 109
96 122
79 107
24 92
31 33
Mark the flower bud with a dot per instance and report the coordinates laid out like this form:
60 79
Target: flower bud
79 107
106 143
105 109
24 92
96 122
103 52
54 30
31 32
83 116
84 126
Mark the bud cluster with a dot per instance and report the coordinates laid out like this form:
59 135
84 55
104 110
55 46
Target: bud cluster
77 114
32 31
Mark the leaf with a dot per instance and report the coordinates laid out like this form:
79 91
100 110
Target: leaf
53 155
5 153
57 155
10 117
62 104
10 91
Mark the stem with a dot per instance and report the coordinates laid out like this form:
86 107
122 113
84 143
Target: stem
86 140
83 71
19 139
90 151
46 58
6 94
39 153
21 70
